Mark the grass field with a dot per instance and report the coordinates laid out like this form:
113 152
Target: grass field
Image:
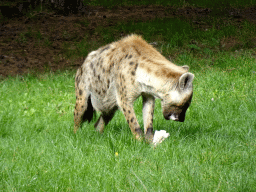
213 150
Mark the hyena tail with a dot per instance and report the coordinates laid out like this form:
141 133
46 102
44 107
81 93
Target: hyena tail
90 111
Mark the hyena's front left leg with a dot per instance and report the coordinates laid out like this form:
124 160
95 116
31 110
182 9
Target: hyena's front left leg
148 112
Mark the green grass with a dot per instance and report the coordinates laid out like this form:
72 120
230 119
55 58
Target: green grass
213 150
177 35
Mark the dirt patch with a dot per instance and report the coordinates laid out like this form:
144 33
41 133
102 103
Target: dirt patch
38 43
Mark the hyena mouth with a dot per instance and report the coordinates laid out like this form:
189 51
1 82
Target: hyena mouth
176 117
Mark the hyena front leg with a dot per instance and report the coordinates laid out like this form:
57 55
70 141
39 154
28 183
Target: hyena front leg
128 111
148 113
83 109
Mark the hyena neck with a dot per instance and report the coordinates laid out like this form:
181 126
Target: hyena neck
152 85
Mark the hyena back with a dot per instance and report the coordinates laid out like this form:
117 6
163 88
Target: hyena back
115 75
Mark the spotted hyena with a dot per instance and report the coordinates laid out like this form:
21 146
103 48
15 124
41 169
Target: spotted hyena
115 75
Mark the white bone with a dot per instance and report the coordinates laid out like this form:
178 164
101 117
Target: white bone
159 136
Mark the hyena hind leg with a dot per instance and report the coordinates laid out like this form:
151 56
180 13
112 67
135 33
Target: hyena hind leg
89 112
103 120
83 110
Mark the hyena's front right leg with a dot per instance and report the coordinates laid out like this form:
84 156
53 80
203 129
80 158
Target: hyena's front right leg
83 109
128 111
148 112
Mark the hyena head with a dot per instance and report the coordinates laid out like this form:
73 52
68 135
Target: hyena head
178 99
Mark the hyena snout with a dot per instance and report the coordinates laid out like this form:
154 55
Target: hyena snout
175 116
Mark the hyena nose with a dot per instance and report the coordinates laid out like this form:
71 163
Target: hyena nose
174 117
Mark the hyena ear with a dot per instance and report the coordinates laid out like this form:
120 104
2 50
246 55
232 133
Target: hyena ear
185 81
185 67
